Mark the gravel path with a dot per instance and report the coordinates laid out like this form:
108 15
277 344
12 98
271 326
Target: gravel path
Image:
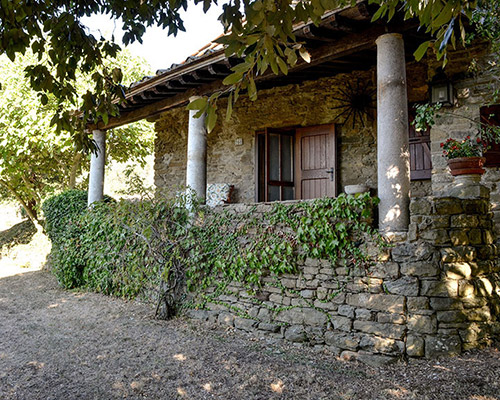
69 345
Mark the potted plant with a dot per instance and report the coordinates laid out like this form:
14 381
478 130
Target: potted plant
465 156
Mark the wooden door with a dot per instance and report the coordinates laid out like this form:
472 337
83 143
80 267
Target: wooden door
316 162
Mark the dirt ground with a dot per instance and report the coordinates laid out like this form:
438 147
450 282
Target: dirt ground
56 344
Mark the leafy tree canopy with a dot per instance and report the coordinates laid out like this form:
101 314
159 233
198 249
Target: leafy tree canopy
36 159
53 29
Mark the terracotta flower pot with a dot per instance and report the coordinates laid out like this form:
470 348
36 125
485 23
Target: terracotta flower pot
466 165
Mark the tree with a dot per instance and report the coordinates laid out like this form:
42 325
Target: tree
35 159
259 31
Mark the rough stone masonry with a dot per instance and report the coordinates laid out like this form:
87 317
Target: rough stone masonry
434 293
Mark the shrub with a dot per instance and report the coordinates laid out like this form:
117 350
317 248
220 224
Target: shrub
61 210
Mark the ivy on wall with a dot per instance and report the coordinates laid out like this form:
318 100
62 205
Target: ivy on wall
164 253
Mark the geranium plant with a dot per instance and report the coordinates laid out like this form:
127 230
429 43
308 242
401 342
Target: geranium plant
469 147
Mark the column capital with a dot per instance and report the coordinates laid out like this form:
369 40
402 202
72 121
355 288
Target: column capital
386 36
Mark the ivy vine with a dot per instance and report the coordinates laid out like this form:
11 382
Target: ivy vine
163 252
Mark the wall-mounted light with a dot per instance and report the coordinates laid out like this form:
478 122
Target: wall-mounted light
441 90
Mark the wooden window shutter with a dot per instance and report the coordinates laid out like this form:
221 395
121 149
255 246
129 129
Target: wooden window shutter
420 150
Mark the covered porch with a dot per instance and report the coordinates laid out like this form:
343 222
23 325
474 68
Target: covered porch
309 134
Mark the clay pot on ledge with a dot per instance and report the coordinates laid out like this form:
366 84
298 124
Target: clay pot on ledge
466 166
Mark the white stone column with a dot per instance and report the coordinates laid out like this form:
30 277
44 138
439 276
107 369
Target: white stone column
393 158
196 169
97 162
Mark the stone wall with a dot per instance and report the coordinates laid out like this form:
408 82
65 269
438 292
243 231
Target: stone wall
436 292
473 90
231 147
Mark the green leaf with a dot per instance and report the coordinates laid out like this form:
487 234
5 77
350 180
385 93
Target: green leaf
233 78
211 118
198 104
421 50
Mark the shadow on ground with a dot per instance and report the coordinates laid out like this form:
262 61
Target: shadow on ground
20 233
56 344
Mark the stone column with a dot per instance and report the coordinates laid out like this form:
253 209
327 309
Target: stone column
393 158
196 169
97 162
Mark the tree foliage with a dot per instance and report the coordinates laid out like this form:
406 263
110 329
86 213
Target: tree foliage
258 31
36 159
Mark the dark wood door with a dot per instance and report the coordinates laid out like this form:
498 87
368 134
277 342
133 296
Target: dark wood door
315 156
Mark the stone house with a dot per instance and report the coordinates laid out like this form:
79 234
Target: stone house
344 119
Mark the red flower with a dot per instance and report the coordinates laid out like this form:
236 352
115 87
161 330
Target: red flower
442 144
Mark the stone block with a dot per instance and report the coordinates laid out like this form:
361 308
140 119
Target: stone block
466 289
457 270
459 237
414 346
325 305
420 269
295 333
376 360
475 236
225 318
290 316
464 221
488 237
299 302
341 323
417 303
265 326
276 298
311 262
445 303
365 315
310 270
307 294
392 331
436 236
420 206
386 318
321 293
342 340
444 288
458 253
346 310
418 251
448 206
245 324
405 286
422 323
469 192
314 317
385 270
381 344
264 315
289 283
379 302
439 346
454 316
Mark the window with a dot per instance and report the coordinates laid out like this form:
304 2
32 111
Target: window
491 116
296 163
420 151
275 165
